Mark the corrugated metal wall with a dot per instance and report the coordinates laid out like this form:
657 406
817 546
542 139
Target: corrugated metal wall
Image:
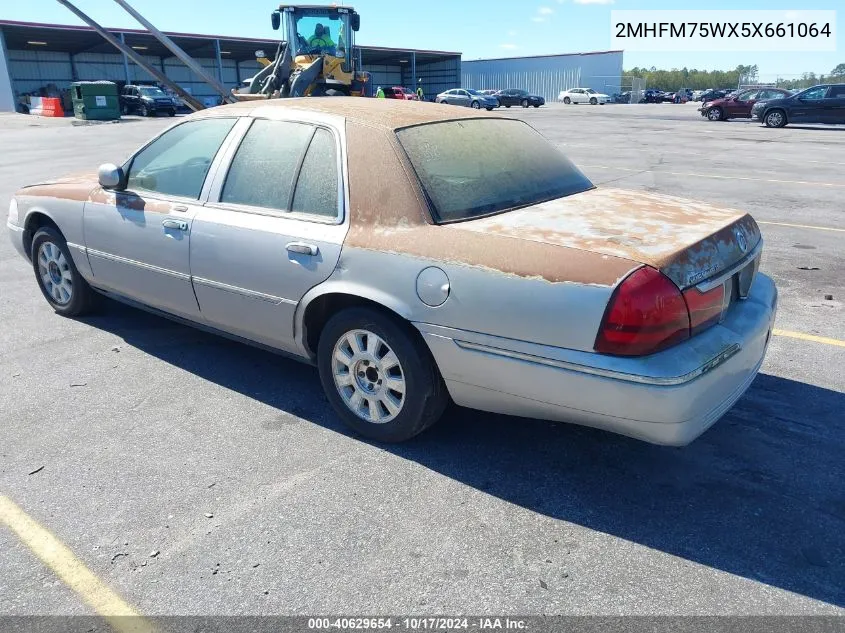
546 76
32 70
436 76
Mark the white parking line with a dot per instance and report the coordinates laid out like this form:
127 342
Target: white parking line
803 226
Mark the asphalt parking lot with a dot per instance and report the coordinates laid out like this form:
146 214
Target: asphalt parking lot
126 435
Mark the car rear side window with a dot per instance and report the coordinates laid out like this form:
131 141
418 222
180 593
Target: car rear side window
266 163
316 188
837 92
177 162
475 167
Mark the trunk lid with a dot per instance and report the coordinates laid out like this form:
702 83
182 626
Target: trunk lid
687 241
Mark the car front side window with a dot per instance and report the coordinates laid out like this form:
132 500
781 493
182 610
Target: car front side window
177 162
814 94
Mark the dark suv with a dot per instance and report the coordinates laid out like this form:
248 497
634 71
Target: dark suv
819 104
146 101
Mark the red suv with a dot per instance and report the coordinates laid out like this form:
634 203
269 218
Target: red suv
739 104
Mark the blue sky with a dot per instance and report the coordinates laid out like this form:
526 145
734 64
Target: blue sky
477 28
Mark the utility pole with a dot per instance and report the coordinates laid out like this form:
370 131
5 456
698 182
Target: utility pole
135 57
179 53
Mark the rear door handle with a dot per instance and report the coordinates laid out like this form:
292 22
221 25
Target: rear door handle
302 248
179 225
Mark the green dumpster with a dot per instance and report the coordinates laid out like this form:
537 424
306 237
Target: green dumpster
95 100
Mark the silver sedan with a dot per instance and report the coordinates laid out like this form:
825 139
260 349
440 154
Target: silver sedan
468 98
373 239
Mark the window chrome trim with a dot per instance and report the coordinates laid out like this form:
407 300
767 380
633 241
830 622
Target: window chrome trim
709 284
132 262
216 188
253 294
711 364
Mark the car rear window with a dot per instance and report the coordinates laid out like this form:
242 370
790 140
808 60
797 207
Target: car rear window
476 167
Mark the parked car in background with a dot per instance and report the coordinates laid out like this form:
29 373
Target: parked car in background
710 95
401 93
696 95
146 101
511 286
583 95
469 98
739 105
820 104
652 95
514 97
622 97
488 92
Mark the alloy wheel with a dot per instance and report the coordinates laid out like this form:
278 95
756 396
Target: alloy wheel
54 272
368 376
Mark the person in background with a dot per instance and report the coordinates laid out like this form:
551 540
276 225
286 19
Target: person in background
380 93
420 93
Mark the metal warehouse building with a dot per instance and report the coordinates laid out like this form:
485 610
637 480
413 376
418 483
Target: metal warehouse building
546 75
34 56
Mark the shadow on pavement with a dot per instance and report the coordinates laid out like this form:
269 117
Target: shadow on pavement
760 495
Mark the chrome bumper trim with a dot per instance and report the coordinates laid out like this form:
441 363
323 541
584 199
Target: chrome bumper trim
714 362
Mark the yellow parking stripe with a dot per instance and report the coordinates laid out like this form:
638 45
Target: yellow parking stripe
809 337
73 572
803 226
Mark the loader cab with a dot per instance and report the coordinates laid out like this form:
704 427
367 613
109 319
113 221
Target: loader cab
314 30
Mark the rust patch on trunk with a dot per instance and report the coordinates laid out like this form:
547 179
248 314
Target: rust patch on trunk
388 214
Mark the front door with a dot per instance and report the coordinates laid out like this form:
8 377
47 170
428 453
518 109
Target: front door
271 230
137 239
741 106
809 106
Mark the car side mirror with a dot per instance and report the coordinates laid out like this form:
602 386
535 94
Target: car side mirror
110 176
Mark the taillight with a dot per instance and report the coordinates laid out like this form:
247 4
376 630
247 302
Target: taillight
705 308
646 314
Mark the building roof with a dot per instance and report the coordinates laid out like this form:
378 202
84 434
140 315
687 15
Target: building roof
496 59
76 39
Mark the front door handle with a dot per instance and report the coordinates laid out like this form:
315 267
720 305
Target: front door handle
181 208
179 225
302 248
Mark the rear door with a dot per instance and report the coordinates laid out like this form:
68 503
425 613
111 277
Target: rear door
272 228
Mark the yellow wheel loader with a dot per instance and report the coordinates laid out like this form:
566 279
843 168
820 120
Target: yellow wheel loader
316 57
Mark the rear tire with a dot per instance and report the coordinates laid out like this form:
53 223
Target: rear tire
56 274
384 350
143 111
524 103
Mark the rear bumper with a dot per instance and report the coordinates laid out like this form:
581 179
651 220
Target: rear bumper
668 398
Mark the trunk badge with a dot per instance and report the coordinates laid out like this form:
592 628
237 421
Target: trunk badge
741 241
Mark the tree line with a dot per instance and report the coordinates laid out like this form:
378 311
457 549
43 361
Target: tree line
694 79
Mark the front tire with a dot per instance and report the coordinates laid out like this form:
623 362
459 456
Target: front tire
775 118
378 377
715 114
524 103
475 105
489 109
143 111
567 100
59 280
594 101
